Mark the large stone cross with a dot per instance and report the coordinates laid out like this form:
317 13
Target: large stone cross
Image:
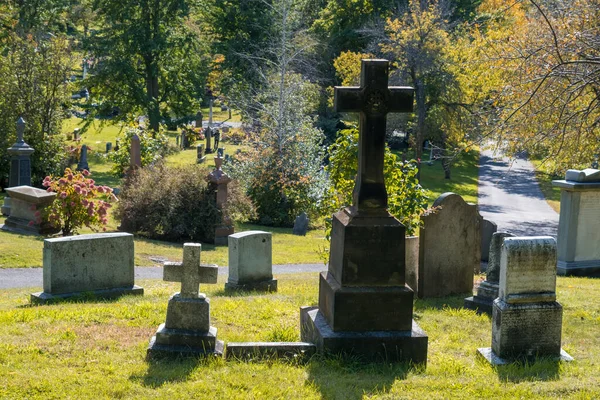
373 99
190 272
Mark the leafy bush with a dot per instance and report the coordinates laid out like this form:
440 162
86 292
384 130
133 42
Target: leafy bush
153 147
406 198
174 203
79 202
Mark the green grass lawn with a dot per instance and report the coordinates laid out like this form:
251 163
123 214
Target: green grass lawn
96 349
551 193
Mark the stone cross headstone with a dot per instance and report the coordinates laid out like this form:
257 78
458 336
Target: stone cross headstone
301 225
20 164
83 163
487 291
365 307
449 247
578 227
135 160
250 262
187 329
527 319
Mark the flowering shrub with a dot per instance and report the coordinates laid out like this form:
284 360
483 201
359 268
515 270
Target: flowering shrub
79 202
193 134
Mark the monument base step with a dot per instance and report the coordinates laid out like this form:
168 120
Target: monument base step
157 351
259 350
386 346
488 354
589 268
262 286
45 298
480 304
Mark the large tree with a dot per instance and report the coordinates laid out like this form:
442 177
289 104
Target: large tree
148 58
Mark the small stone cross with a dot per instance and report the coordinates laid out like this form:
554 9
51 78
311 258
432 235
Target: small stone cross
190 272
373 99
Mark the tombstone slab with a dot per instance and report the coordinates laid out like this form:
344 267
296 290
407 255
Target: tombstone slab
527 319
301 225
488 290
100 264
487 230
578 228
27 206
449 248
251 262
83 162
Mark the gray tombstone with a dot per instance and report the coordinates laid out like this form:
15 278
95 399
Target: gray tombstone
184 141
449 248
83 162
198 122
487 291
200 157
135 155
301 225
487 230
250 262
217 136
527 319
20 164
187 329
208 135
220 152
108 146
76 133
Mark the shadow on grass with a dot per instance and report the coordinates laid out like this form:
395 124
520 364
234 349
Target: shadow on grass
539 370
348 378
80 298
439 303
166 370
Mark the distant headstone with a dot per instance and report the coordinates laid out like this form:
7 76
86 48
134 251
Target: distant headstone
579 223
487 291
184 141
20 164
301 225
200 157
449 247
220 152
198 122
100 264
250 262
218 181
487 230
527 319
76 133
187 329
27 210
83 162
208 136
108 146
217 135
135 155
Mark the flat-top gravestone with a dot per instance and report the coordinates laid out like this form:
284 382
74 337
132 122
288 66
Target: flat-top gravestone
365 308
488 228
83 162
301 225
26 213
250 262
100 264
527 319
449 247
579 223
187 329
488 290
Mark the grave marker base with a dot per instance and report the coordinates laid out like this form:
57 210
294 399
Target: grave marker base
488 354
46 298
481 305
262 286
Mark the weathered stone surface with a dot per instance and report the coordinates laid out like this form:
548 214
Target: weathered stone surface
492 273
488 228
579 227
449 248
83 162
183 343
300 225
98 263
188 313
268 350
412 261
250 261
586 175
26 210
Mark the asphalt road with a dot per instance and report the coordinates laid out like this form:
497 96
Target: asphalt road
509 195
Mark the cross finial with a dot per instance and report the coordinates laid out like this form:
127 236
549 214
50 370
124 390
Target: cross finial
190 272
373 99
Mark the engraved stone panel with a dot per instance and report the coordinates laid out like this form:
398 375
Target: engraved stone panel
588 227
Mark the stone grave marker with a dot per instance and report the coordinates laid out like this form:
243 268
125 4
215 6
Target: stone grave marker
365 307
26 211
217 136
83 162
200 157
579 223
184 141
135 153
76 133
301 225
198 122
187 329
219 180
208 136
487 291
108 147
20 164
527 319
449 247
251 262
487 230
220 152
101 264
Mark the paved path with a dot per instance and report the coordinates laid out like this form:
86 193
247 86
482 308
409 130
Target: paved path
32 277
509 195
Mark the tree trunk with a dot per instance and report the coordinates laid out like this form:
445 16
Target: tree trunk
152 92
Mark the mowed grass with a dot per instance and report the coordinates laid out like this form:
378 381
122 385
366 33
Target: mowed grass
96 349
544 178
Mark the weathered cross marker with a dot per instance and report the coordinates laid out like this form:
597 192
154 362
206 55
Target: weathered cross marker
190 272
373 99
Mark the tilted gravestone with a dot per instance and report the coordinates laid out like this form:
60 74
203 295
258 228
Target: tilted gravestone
365 307
301 225
99 264
527 319
251 262
187 329
487 291
487 230
449 247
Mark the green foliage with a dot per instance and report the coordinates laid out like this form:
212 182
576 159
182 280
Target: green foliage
406 197
153 147
79 202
